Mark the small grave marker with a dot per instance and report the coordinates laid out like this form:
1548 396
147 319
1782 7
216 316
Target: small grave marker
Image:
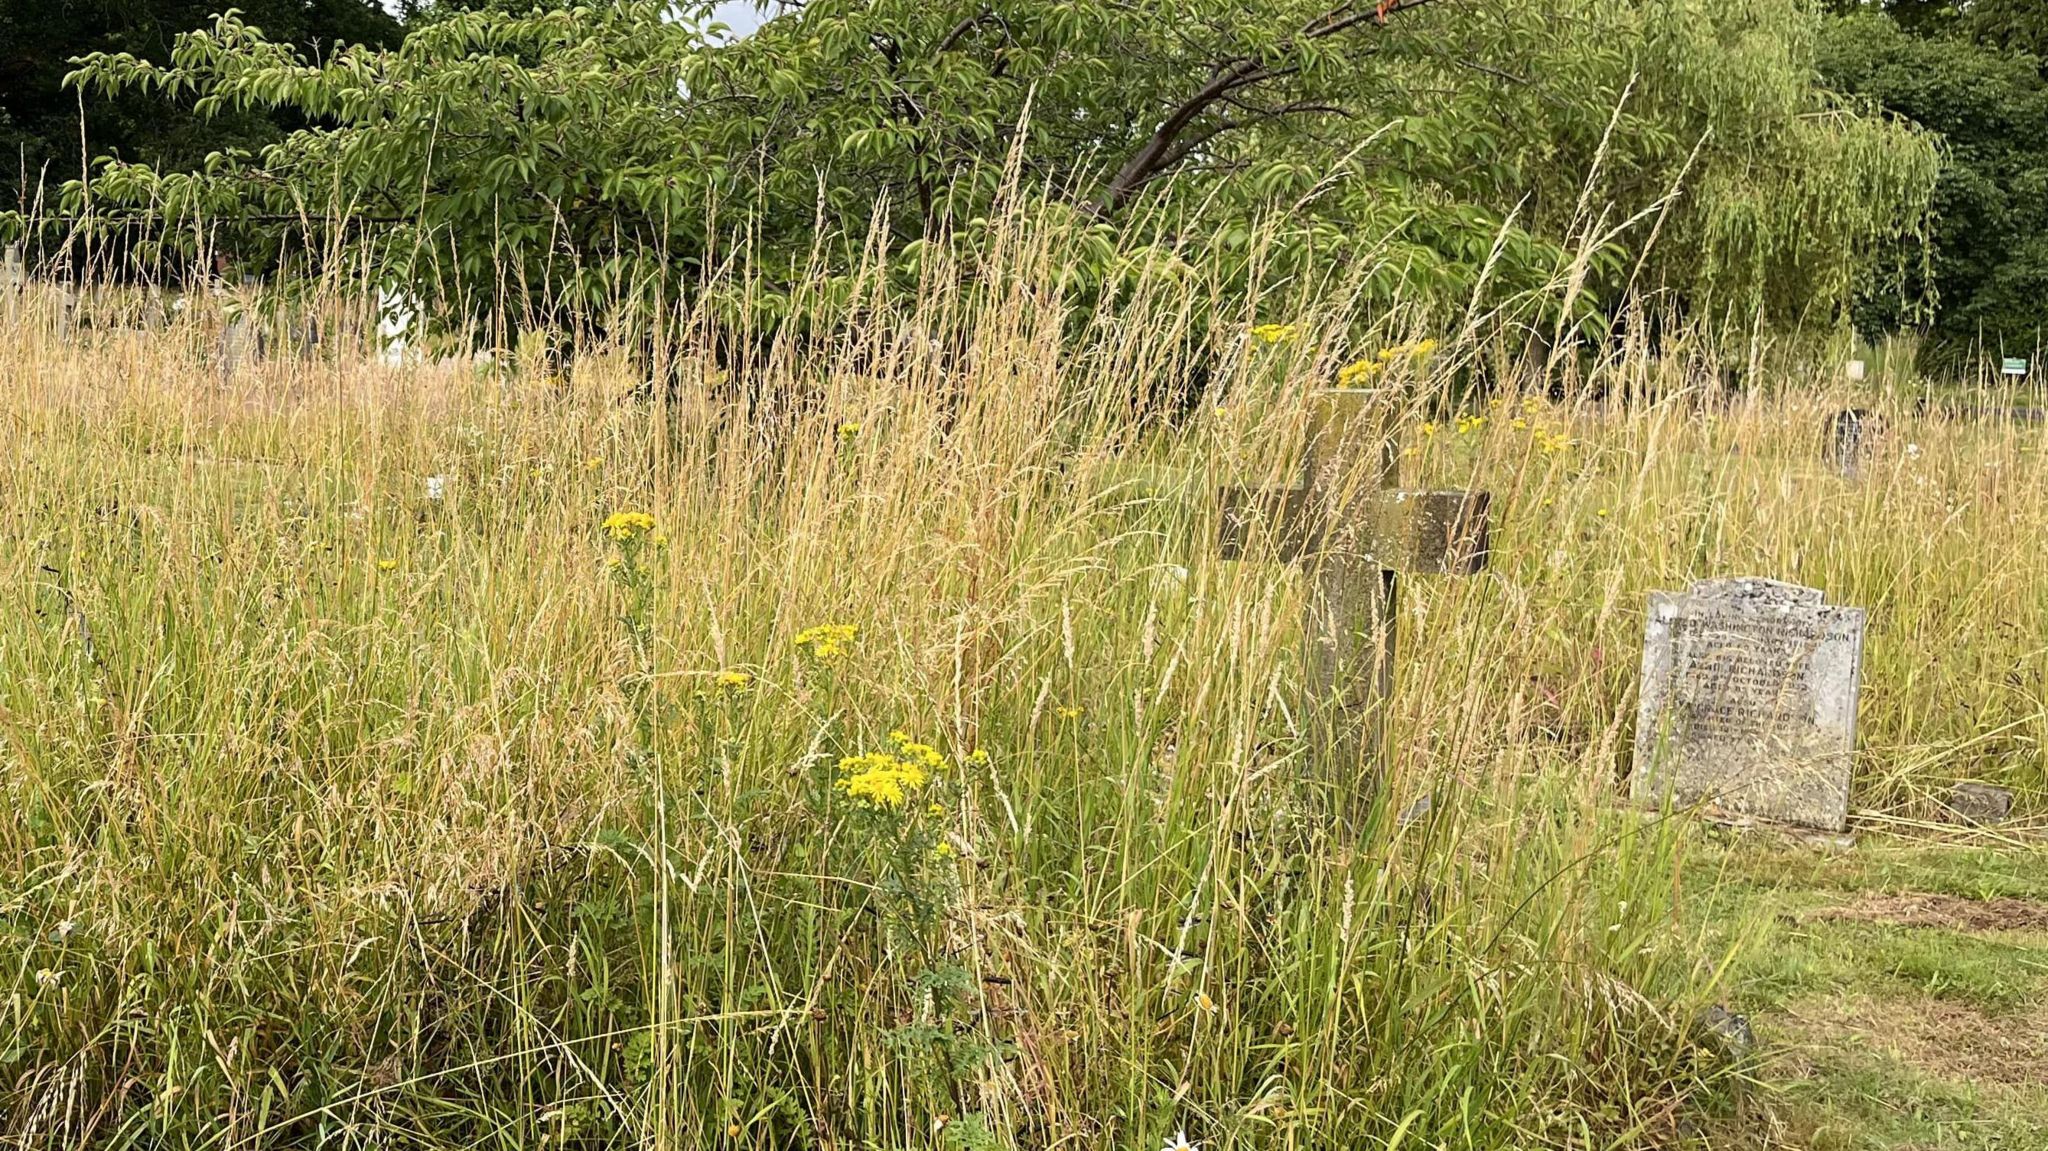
1856 370
1979 803
1346 520
1749 701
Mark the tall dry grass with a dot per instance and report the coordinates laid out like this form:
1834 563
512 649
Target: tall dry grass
338 815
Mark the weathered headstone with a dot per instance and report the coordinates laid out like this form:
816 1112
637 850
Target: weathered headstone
1356 532
1850 434
1748 701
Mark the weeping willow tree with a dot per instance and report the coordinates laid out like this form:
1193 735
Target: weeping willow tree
1468 151
1795 195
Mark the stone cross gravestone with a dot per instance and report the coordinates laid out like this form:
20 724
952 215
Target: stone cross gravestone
1346 521
1749 701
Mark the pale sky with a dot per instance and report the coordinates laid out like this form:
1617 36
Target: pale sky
742 16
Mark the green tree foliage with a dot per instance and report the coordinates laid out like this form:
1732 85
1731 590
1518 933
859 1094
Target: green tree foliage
39 119
581 157
1989 269
2021 25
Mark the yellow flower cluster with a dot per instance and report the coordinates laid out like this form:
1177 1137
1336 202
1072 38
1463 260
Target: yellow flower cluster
733 681
885 780
626 526
922 754
1529 416
1276 333
849 431
880 780
827 642
1353 374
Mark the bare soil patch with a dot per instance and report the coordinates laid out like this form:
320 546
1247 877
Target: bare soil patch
1948 1040
1950 911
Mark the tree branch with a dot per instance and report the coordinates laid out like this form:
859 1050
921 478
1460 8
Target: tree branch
1162 150
960 32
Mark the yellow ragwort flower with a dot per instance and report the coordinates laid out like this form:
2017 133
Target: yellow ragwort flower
827 642
1354 373
1276 333
626 526
387 565
733 681
1069 713
879 780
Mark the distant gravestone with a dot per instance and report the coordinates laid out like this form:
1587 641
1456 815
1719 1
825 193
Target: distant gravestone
1850 433
241 338
1749 701
13 280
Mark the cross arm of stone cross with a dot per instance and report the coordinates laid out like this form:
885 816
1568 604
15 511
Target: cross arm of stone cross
1424 533
1430 533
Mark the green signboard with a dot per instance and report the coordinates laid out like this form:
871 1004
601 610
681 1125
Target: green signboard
2013 367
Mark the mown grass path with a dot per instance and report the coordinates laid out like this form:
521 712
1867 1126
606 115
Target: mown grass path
1898 990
